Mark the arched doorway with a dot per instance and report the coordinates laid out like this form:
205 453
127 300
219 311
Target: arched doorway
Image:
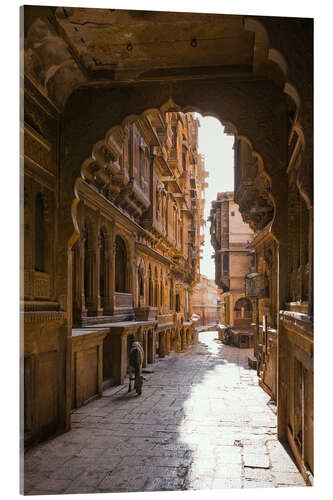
242 313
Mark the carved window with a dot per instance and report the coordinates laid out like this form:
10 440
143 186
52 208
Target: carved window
161 293
142 160
150 288
141 283
121 266
177 302
163 201
170 297
158 201
40 235
156 289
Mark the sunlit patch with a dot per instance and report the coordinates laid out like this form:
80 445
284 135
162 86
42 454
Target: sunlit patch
211 425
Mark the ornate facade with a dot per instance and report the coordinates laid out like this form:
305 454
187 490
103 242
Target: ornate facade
134 263
230 238
85 198
265 330
284 346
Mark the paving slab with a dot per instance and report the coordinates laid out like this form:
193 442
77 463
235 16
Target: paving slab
202 422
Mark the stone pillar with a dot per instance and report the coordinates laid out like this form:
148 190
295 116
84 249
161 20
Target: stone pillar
109 277
79 308
99 310
92 278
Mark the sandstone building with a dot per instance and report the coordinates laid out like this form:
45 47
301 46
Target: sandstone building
134 258
284 346
107 210
230 238
206 302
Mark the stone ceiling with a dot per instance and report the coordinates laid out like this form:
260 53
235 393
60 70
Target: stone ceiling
154 44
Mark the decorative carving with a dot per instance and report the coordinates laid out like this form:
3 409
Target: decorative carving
41 285
45 317
28 283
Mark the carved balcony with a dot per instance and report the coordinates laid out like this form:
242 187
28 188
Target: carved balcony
144 313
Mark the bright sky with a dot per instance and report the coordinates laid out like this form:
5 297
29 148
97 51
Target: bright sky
219 161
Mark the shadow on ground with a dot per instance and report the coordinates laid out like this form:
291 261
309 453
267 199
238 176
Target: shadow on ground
202 422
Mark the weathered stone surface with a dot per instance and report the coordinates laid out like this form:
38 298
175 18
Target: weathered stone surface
196 451
253 73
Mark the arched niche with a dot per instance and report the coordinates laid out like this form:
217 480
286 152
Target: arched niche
121 266
243 308
150 287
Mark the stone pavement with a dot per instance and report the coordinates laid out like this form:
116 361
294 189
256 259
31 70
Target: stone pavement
202 422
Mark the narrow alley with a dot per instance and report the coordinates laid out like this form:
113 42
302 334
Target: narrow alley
202 422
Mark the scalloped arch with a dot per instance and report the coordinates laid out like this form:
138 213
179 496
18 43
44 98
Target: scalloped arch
276 56
169 106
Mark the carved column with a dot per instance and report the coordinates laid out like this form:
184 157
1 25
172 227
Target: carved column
92 279
108 276
99 310
157 285
79 308
136 290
